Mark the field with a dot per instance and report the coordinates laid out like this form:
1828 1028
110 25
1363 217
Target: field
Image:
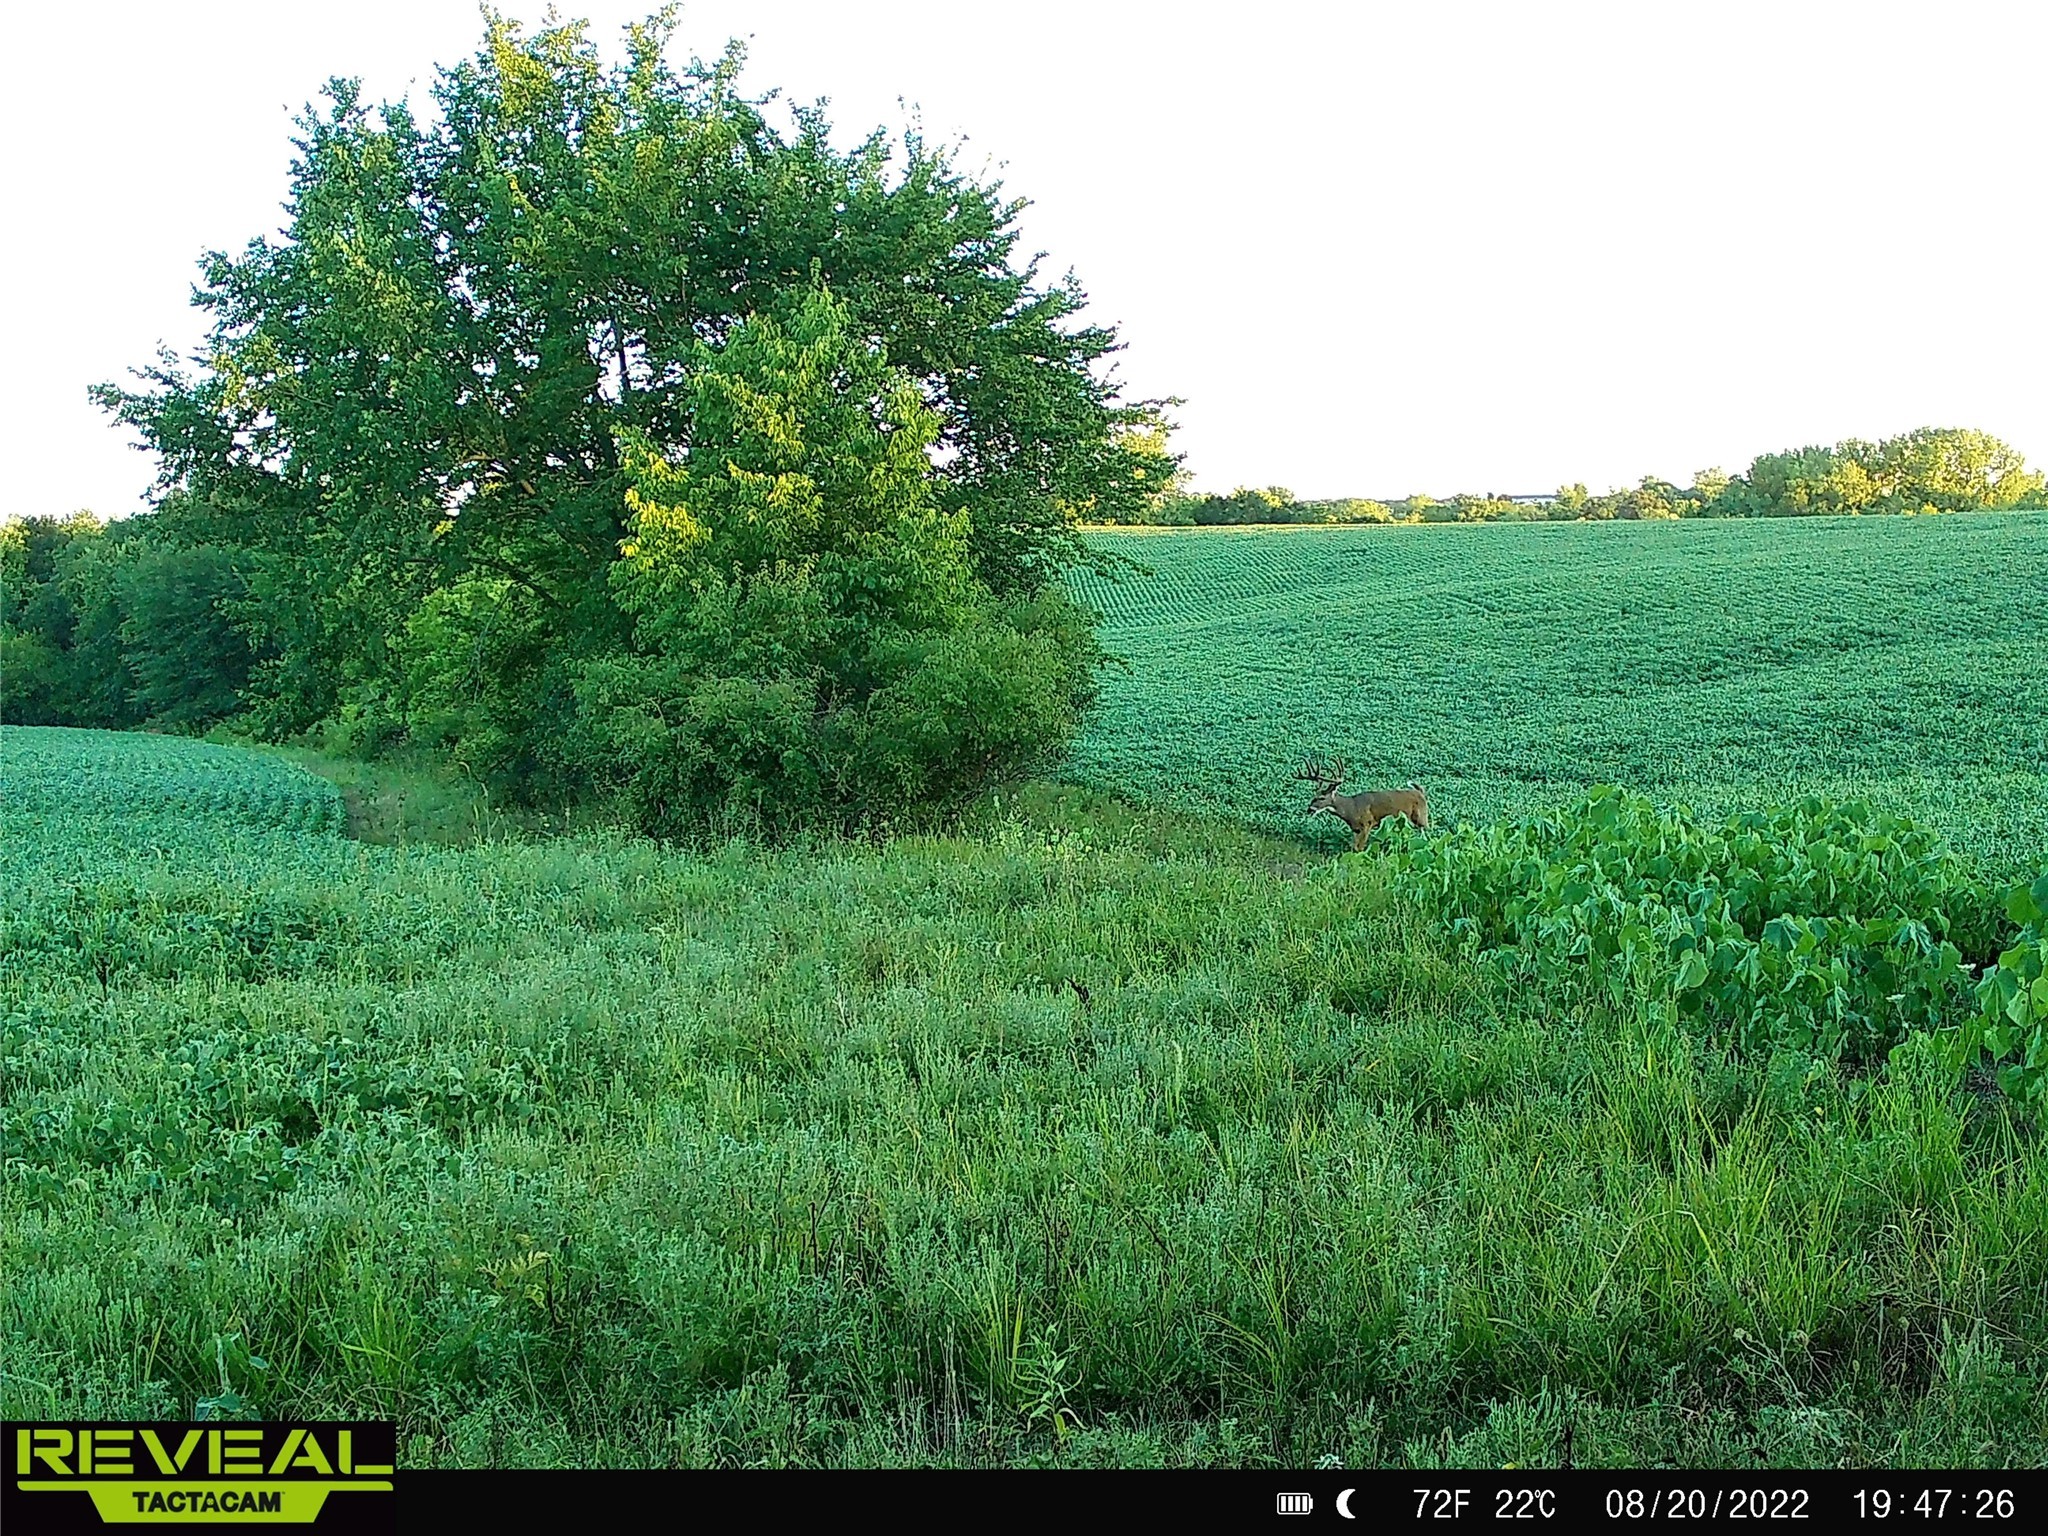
1086 1136
68 786
1508 667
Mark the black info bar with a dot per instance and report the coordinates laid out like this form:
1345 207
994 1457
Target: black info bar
345 1477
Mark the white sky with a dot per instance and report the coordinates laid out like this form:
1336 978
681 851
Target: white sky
1379 248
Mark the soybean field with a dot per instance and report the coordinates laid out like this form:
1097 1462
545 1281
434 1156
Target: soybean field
1508 667
80 779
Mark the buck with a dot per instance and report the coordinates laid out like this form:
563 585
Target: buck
1367 809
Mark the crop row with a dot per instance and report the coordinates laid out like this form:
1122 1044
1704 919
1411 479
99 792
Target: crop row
60 779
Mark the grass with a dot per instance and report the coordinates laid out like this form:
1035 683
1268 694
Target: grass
399 802
1091 1135
1510 667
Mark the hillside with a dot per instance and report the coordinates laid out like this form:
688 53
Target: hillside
1509 667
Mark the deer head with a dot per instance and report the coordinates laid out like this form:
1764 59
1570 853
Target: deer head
1326 779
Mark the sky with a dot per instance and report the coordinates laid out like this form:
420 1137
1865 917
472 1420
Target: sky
1377 249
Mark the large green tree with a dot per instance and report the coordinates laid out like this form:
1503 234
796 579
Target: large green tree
411 406
809 630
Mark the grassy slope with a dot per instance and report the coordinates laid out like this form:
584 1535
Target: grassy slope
1509 666
579 1151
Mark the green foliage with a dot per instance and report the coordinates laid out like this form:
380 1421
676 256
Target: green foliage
13 569
687 750
1929 470
1807 480
981 702
39 622
2014 995
1653 498
807 464
1158 473
118 625
810 638
1824 929
1097 1136
426 408
468 677
1510 668
1270 504
190 662
28 671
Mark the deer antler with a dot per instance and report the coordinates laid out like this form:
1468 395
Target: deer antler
1324 776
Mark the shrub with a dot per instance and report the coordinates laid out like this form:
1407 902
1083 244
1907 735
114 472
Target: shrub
686 752
982 700
1820 927
686 747
2013 1024
810 640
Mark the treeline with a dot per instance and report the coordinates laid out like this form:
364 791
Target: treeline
614 443
1929 470
111 625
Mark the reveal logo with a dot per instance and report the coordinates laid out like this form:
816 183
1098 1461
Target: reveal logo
72 1477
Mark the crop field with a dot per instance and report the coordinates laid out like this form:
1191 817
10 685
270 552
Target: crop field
59 782
1086 1136
1508 667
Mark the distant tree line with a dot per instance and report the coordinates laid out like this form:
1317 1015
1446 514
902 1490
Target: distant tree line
111 625
614 443
1929 470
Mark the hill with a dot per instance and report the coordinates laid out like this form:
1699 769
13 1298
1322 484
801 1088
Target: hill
1511 666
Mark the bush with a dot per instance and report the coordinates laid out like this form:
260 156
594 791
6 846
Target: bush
1823 928
685 748
983 701
2013 1024
686 753
810 641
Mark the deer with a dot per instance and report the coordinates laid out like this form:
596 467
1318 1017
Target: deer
1367 809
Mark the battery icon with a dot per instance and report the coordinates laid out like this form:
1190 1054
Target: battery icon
1294 1503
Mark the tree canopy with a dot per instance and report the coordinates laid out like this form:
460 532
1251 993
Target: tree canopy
500 343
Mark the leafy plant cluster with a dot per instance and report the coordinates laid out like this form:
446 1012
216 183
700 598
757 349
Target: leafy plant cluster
2014 1024
1826 929
1931 469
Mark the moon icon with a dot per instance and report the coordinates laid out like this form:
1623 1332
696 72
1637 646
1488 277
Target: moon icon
1344 1504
